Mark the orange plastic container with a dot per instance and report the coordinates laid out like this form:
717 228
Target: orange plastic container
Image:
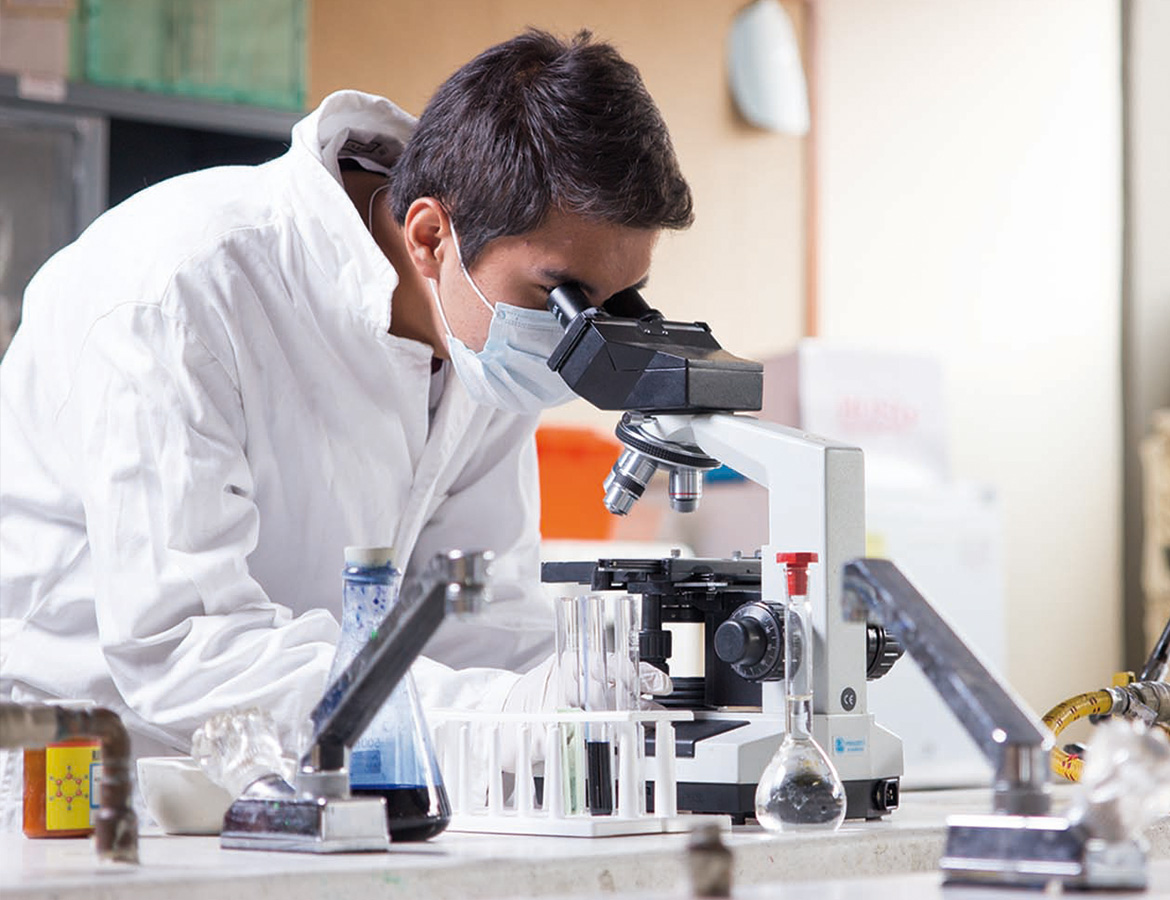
573 464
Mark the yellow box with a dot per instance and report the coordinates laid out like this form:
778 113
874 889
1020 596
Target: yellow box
71 776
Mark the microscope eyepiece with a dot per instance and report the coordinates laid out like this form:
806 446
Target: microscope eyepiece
629 304
566 302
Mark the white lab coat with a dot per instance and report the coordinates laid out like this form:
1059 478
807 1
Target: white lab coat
202 406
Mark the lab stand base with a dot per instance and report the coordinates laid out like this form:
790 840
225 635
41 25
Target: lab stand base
306 825
1036 851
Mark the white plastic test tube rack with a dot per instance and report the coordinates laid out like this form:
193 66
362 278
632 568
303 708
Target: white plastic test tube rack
470 747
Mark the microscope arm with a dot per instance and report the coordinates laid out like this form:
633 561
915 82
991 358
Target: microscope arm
1011 737
752 447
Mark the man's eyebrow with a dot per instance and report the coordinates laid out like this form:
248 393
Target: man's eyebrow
560 276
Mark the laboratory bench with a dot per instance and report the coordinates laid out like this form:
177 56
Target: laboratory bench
897 857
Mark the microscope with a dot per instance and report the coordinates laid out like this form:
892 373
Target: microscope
684 400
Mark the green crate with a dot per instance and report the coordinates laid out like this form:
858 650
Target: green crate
237 51
128 43
242 51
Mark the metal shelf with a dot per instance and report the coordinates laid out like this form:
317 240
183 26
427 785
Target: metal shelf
166 109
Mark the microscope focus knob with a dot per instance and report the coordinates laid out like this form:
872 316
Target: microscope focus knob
740 641
751 641
883 649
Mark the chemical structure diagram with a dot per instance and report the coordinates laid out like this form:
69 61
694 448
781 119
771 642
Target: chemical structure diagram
69 788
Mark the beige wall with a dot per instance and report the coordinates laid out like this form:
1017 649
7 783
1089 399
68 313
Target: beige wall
971 207
740 268
1147 337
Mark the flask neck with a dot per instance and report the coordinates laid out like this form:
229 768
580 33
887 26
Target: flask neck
368 594
798 718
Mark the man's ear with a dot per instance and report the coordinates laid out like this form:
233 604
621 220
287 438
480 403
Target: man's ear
427 233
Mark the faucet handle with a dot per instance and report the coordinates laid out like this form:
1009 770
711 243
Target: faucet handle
467 573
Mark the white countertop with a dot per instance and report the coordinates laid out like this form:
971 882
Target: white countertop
921 886
467 865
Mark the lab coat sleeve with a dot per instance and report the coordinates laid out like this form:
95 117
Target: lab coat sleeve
479 689
156 423
495 505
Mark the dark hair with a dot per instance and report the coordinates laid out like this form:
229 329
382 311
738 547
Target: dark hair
536 124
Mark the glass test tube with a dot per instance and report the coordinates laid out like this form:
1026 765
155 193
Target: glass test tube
630 737
626 656
571 756
596 696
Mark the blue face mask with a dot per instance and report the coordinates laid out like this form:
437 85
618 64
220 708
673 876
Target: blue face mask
511 371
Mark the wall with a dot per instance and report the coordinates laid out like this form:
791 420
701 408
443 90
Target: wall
970 191
740 268
970 188
1147 320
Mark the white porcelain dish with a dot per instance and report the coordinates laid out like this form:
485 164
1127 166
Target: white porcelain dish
180 797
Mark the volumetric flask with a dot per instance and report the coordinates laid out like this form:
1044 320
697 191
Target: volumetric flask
800 789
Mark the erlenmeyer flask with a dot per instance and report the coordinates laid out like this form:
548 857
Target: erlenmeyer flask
394 757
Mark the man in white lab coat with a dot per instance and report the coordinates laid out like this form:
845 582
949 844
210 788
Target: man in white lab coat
234 374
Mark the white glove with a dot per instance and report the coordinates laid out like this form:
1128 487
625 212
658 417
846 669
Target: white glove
538 690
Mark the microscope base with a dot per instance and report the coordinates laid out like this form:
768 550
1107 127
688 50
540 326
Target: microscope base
868 800
721 756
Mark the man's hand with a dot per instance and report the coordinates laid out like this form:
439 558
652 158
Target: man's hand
549 687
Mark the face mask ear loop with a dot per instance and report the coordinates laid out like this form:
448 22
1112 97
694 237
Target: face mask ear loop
463 268
434 285
370 209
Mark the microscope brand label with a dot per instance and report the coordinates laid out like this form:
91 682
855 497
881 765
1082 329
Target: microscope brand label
844 746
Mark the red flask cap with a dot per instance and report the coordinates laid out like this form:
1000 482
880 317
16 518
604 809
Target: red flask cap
798 564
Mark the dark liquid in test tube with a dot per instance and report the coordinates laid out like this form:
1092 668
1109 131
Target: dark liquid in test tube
599 782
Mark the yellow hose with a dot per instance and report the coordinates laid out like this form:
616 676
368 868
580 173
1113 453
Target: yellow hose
1094 703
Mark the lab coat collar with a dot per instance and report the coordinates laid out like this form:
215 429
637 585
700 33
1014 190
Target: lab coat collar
374 131
355 124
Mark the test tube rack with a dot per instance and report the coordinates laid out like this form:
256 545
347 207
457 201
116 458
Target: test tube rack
459 734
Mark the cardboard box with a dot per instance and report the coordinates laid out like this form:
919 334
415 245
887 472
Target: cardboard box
34 37
891 404
946 540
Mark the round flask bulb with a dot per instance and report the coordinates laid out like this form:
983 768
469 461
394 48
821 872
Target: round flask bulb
800 790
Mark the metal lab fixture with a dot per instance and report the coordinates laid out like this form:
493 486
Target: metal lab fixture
317 814
116 827
1021 843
